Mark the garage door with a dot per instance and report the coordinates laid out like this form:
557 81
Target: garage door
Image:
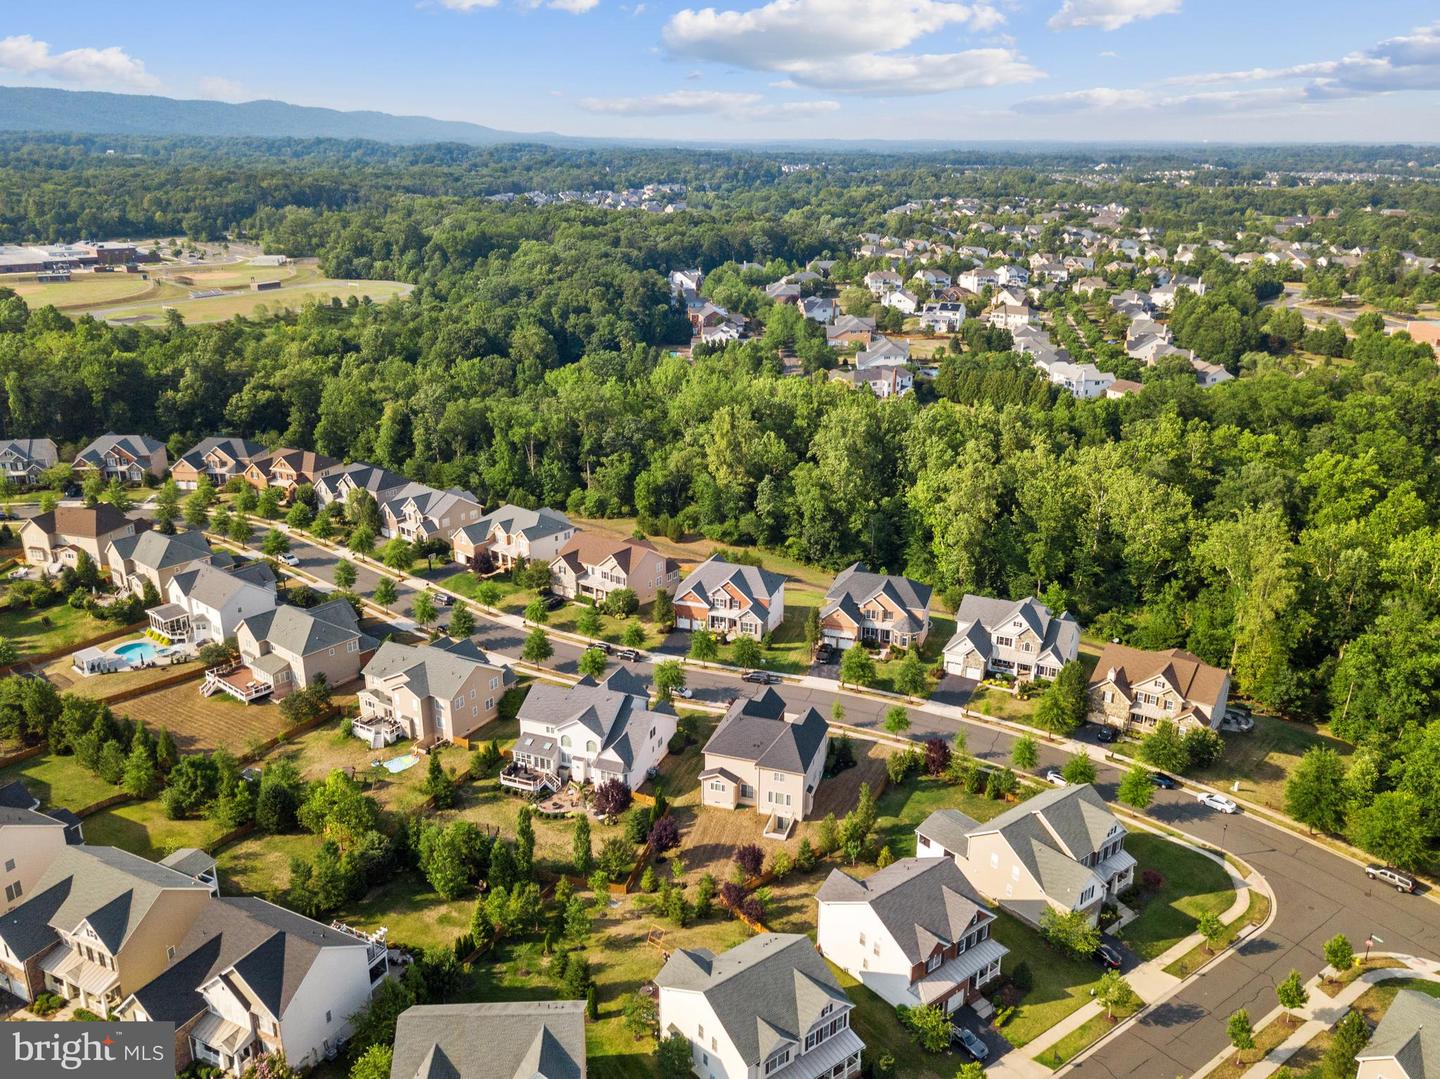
15 988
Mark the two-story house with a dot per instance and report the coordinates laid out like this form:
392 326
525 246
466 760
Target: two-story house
128 458
1061 849
287 469
100 923
22 460
875 607
596 731
29 841
249 979
1406 1042
514 1039
769 1008
511 534
339 484
732 600
155 558
289 648
1133 689
593 566
850 331
440 692
417 512
208 603
915 933
218 458
55 540
763 756
1020 638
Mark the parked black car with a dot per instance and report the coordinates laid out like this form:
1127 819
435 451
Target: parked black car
761 678
825 653
1106 734
1165 782
553 602
627 654
1107 956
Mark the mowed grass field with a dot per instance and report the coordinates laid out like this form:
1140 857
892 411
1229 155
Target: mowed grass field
200 724
249 304
82 291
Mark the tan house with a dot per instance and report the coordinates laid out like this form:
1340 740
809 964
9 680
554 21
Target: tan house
29 841
1062 849
100 924
439 692
54 540
1133 689
731 600
1406 1043
875 608
763 756
128 458
286 470
157 559
219 458
594 566
511 534
417 512
1019 638
289 648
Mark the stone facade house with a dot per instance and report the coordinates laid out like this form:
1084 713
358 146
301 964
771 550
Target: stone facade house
731 600
875 608
1020 638
219 458
1133 689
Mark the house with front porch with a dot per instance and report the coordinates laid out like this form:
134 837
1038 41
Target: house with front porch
287 469
289 648
876 608
1132 689
155 558
513 1039
208 603
23 460
1018 638
914 934
100 923
511 534
127 458
439 692
339 484
769 1008
250 978
764 756
54 540
218 458
731 600
1061 849
418 513
590 732
592 566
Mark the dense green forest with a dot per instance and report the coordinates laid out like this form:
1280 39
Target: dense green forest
1286 524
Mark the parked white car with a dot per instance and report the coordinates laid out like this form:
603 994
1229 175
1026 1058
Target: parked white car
289 559
1237 722
1217 801
1054 776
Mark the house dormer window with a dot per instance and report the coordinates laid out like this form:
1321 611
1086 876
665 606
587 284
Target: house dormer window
933 963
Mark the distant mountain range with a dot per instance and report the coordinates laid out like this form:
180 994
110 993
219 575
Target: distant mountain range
27 108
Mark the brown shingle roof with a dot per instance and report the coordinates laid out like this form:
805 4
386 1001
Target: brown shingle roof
81 521
1194 679
590 549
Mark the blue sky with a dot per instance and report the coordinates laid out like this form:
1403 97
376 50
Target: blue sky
1257 70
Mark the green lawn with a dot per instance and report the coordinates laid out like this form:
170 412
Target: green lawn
1255 913
143 828
1003 705
49 628
874 1021
60 781
1060 984
1194 885
1263 759
1080 1038
907 804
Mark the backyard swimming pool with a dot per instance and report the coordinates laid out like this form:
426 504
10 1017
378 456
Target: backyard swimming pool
136 653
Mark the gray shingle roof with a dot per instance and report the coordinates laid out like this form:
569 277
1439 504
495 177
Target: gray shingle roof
302 632
978 618
757 730
856 586
214 587
1409 1034
517 520
755 584
241 450
157 551
613 710
138 446
765 991
510 1040
430 670
950 828
1052 831
922 902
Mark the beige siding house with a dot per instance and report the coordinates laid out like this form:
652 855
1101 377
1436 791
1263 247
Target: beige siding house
875 608
1019 638
218 458
1406 1043
54 540
440 692
289 648
594 566
1134 689
511 534
155 558
763 756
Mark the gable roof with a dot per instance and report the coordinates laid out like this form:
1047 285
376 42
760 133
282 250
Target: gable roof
614 710
240 450
766 991
138 446
108 888
979 618
305 462
377 481
1409 1034
757 730
33 450
1051 832
301 632
753 583
214 587
90 522
1194 679
431 670
509 1040
950 829
517 520
922 902
856 586
157 551
591 549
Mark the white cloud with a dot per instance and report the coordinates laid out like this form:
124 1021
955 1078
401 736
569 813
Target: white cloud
468 5
1108 14
219 88
574 7
851 46
112 67
741 106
